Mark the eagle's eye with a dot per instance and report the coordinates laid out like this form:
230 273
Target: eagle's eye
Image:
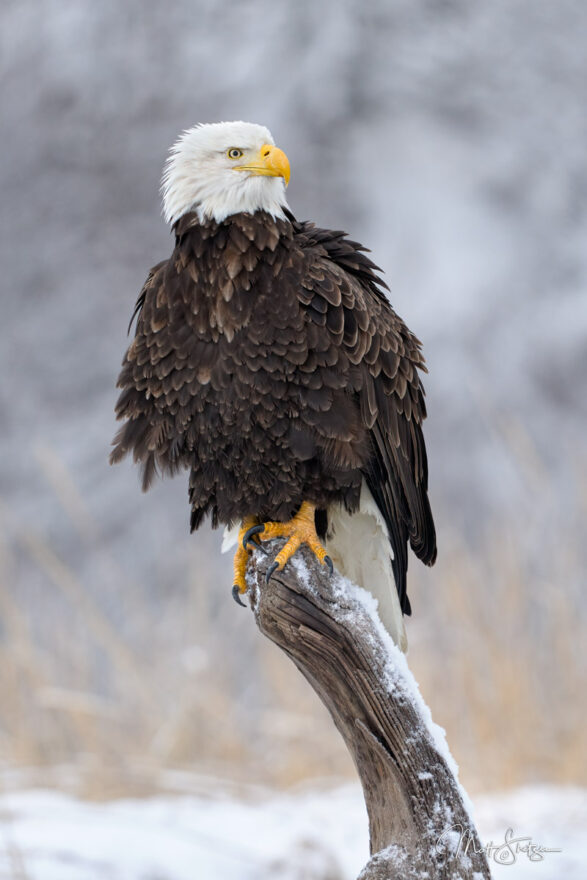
234 153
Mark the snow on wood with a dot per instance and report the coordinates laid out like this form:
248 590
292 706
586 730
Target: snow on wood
330 629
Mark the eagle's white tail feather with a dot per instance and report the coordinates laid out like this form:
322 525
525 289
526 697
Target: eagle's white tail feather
360 549
230 538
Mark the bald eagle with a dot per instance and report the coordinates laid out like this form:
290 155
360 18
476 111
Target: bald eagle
268 361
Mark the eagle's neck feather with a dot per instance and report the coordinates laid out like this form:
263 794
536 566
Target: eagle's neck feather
183 193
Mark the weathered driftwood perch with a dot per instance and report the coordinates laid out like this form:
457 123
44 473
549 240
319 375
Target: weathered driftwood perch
418 822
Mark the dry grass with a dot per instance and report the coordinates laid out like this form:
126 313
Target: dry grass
93 704
501 669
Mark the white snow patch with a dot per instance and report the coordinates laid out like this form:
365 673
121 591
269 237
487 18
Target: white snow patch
303 572
359 608
395 666
310 834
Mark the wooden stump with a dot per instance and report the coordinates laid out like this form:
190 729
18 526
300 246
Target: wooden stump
418 822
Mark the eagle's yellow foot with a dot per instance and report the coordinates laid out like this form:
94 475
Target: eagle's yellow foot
241 557
300 530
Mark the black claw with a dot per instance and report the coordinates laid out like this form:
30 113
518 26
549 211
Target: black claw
328 562
248 535
270 571
236 596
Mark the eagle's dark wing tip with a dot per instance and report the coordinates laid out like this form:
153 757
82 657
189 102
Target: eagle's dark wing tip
149 472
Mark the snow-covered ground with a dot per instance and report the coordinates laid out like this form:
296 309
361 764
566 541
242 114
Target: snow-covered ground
310 834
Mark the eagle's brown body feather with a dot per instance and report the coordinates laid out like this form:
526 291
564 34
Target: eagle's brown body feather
268 361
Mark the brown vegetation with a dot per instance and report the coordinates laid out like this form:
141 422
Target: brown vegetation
123 690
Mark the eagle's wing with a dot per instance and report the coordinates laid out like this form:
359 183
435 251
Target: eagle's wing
343 294
156 377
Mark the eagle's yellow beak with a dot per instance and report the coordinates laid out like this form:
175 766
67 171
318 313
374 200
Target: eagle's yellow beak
269 162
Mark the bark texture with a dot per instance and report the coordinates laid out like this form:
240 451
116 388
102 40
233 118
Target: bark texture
418 822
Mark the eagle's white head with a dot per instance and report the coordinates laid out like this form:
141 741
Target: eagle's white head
223 168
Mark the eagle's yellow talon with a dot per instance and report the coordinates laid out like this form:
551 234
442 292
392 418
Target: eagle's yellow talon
287 551
241 557
236 595
299 530
250 535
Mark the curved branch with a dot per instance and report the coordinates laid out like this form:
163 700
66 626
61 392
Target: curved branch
418 821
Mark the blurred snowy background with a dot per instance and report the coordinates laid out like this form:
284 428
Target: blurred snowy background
450 137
